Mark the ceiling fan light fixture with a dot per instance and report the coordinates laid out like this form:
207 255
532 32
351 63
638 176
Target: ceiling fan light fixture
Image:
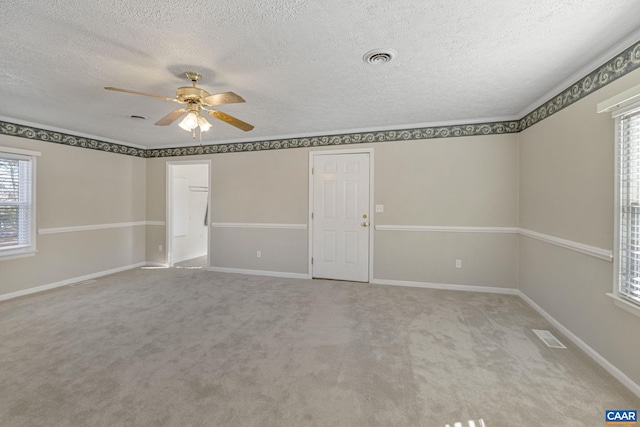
204 124
190 122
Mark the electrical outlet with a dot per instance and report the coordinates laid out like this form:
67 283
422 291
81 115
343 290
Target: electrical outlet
379 208
458 263
159 248
259 254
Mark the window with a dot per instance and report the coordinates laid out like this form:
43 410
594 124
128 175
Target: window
17 202
628 260
625 109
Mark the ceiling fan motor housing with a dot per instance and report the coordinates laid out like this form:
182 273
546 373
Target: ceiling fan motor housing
189 93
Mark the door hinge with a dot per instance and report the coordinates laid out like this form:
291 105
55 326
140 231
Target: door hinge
313 170
311 260
311 215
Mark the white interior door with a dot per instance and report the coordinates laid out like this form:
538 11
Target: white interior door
341 217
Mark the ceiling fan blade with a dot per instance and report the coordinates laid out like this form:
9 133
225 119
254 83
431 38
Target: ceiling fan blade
171 117
231 120
135 92
222 98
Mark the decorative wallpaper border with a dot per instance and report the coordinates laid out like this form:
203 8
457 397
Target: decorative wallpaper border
346 139
620 65
29 132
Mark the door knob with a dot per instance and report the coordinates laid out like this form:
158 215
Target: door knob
365 224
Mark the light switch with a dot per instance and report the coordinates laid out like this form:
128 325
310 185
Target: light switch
379 208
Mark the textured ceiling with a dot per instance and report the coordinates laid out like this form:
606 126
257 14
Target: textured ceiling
297 63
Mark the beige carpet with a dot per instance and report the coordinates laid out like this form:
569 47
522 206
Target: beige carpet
187 347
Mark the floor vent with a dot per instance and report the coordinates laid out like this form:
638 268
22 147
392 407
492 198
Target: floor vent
84 282
470 423
548 338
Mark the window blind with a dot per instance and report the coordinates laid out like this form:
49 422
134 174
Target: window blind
15 201
629 184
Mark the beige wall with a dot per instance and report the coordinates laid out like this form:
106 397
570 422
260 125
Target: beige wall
260 187
80 187
264 187
283 250
488 259
567 191
156 178
458 182
470 181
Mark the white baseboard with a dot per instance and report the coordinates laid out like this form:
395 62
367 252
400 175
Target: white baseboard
190 256
448 287
260 272
608 366
155 265
68 282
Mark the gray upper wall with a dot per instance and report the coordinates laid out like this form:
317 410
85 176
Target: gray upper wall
618 66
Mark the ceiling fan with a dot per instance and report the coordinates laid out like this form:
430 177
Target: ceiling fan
197 100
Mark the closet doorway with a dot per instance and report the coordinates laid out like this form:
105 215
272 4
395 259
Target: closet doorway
188 213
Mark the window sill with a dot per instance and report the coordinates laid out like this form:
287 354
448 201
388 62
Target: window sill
625 305
16 255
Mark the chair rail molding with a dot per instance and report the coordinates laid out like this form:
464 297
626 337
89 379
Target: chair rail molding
447 229
56 230
593 251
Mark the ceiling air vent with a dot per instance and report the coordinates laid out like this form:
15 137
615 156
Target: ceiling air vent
379 56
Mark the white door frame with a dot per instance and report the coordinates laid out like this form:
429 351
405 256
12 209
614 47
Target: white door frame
312 155
169 201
